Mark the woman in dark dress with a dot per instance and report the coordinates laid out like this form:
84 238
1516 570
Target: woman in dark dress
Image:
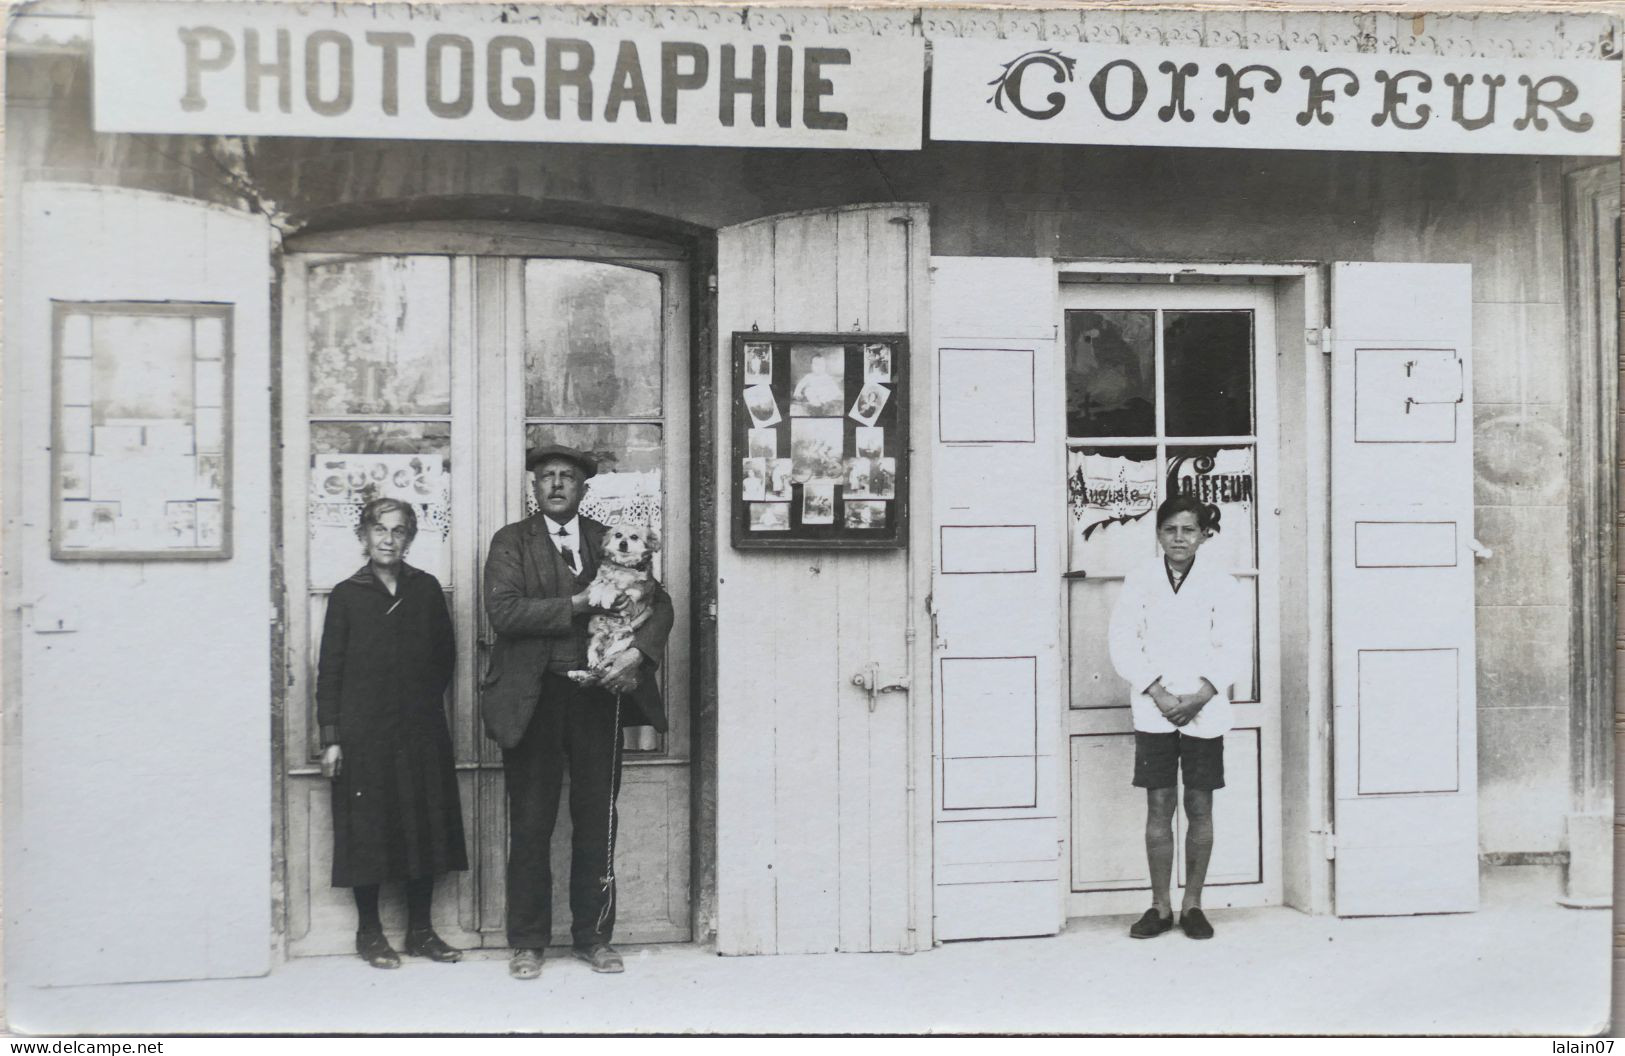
386 660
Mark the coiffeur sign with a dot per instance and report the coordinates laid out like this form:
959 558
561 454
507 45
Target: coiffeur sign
1036 92
271 70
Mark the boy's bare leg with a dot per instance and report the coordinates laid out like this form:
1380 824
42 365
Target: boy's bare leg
1198 844
1160 804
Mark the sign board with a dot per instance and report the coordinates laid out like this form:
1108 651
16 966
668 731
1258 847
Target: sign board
1012 91
359 71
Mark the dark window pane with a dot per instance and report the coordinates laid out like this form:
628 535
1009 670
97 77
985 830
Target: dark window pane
1208 357
1111 374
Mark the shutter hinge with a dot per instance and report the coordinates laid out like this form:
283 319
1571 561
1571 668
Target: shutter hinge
1329 841
1326 341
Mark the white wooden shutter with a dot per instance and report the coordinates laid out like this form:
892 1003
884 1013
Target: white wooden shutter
997 483
139 809
813 849
1403 686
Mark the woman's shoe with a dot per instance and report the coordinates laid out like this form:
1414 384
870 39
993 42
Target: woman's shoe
373 948
426 943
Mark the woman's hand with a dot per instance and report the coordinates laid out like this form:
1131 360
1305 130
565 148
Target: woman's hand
332 761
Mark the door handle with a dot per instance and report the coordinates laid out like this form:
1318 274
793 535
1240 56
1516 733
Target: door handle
868 680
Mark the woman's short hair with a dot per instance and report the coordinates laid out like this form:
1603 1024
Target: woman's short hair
1207 516
374 511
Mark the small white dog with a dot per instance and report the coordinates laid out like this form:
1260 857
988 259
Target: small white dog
623 572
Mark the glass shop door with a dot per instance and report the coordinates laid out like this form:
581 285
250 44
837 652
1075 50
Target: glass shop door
1168 389
425 376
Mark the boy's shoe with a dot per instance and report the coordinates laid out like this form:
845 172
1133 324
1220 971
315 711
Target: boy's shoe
1151 925
1193 922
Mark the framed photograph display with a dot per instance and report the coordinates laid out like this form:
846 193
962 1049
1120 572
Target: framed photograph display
141 420
820 441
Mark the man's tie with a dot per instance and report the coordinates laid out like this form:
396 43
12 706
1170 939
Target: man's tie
569 555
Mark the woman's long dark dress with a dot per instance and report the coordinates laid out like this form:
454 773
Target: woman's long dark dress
386 660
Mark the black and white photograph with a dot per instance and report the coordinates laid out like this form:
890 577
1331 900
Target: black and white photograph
540 519
870 402
870 441
815 449
864 513
763 443
818 380
769 516
754 483
758 365
818 503
877 363
764 409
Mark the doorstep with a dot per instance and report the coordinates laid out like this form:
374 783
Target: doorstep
1522 964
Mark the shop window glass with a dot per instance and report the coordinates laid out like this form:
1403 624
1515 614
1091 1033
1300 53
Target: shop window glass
627 488
592 340
1111 373
352 463
1111 497
1222 477
380 336
1208 360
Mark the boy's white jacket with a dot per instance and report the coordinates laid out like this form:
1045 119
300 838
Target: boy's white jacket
1199 632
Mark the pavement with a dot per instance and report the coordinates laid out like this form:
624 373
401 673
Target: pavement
1521 965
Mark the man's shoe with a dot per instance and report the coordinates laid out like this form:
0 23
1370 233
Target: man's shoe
372 947
602 957
1193 922
426 943
525 963
1151 925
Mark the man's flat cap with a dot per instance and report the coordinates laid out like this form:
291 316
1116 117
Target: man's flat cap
585 462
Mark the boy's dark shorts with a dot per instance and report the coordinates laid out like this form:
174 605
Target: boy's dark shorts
1159 756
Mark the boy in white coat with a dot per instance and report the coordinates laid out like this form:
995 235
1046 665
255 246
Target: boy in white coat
1177 635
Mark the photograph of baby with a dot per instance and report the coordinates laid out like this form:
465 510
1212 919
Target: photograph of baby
764 443
764 410
877 363
758 364
870 402
818 503
754 487
815 449
875 478
865 513
778 479
769 516
871 441
818 374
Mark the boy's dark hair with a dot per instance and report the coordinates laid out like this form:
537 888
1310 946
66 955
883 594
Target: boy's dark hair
1207 516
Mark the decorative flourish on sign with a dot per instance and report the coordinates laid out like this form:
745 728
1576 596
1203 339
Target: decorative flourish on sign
1007 85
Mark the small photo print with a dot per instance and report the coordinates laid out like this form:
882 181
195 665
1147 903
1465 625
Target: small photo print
871 440
818 503
815 449
818 377
882 479
180 524
857 478
877 363
870 402
769 516
75 524
778 479
764 443
758 364
865 513
208 525
764 410
754 488
104 518
75 470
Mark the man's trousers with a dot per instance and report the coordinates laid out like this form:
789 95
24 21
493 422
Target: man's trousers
574 731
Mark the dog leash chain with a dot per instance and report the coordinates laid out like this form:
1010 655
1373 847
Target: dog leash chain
608 879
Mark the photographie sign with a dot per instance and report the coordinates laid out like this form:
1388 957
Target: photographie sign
361 71
1013 91
820 433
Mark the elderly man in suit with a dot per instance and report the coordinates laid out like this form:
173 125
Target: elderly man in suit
536 578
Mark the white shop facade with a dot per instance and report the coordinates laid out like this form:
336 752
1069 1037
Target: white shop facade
303 257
